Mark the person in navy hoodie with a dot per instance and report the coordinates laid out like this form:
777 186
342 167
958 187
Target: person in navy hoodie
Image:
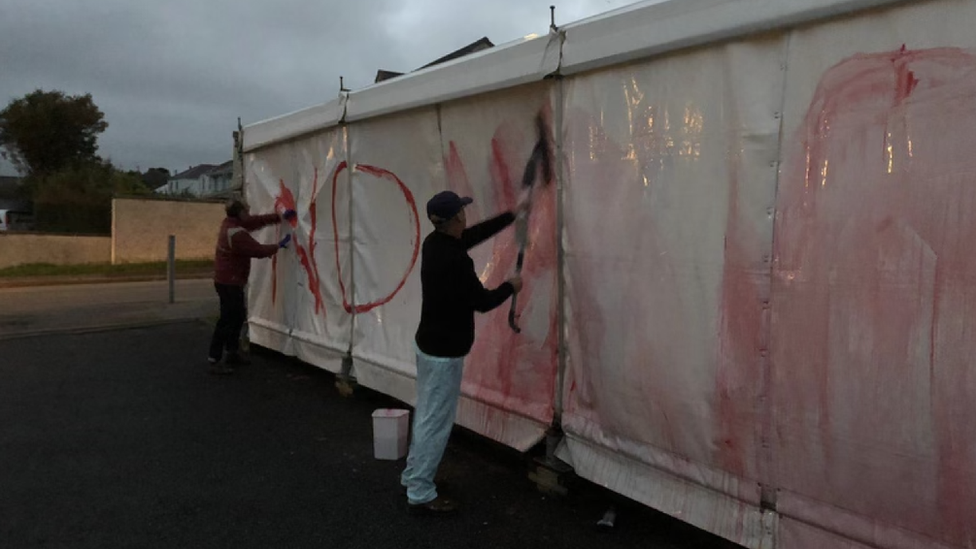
452 294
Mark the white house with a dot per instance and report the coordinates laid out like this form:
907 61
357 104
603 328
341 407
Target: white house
186 181
218 180
205 180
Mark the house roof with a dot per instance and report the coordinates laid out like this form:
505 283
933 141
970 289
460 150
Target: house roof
382 75
223 169
482 44
473 47
194 172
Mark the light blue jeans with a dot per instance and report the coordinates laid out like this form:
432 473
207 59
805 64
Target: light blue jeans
438 391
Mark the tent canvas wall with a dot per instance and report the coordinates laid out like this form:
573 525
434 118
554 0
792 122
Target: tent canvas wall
747 300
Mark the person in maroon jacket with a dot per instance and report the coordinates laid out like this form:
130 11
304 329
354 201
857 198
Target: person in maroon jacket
232 265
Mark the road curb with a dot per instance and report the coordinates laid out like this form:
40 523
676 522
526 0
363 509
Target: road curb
40 281
118 327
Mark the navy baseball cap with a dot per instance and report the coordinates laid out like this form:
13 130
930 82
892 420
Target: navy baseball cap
446 205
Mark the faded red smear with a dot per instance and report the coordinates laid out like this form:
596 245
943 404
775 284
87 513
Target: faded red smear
512 371
502 175
540 256
740 345
872 325
379 173
457 178
610 296
588 332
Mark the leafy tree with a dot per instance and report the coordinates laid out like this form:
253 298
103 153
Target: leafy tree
155 177
47 131
79 199
52 137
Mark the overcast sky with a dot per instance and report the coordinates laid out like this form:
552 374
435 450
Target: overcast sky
173 76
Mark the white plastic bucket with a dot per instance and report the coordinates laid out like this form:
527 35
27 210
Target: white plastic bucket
391 430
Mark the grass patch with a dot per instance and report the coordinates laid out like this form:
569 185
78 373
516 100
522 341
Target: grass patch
191 266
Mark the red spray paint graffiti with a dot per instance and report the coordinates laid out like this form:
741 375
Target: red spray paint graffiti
379 173
306 254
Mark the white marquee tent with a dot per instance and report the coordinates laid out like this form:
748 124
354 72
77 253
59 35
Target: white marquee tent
749 293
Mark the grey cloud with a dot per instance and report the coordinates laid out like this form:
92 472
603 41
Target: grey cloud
172 77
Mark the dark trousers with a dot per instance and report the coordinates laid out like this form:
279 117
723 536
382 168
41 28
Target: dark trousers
233 313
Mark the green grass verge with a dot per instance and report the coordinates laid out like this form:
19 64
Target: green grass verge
194 266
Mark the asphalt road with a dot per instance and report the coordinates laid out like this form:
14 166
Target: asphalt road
120 439
34 310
